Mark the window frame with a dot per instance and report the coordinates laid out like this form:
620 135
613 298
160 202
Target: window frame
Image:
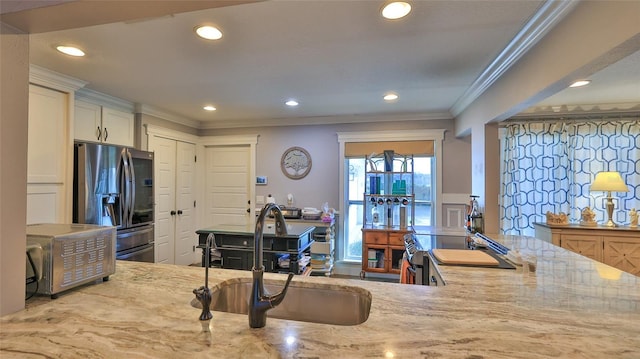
358 200
435 135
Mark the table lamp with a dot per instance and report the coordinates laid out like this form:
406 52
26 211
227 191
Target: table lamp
609 182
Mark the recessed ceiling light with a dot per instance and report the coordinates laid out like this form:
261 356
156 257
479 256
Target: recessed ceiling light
209 108
580 83
390 97
70 50
208 32
395 10
292 103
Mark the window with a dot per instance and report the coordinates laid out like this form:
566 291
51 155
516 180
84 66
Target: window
423 186
354 146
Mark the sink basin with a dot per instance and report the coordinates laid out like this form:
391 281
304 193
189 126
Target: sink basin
304 302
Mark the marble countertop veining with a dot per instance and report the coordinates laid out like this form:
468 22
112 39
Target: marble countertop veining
565 309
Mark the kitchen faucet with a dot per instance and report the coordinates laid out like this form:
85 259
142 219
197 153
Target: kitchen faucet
203 294
260 300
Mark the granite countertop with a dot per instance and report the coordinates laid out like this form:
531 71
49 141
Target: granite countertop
566 308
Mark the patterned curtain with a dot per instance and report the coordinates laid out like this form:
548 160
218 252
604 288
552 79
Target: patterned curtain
549 166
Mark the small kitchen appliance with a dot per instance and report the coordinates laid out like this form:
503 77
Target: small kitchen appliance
68 255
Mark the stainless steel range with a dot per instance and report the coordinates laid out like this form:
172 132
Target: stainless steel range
424 265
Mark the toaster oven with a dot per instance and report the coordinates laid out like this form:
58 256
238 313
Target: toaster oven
64 256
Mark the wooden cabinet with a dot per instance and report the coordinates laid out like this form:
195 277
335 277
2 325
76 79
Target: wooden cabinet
618 247
382 250
97 123
587 245
623 253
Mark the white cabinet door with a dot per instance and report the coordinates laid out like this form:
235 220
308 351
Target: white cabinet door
165 184
175 235
117 127
185 232
87 121
96 123
46 155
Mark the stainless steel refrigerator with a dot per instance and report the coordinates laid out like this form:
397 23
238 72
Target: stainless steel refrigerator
113 186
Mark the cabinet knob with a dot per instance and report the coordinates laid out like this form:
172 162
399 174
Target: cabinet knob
173 213
179 211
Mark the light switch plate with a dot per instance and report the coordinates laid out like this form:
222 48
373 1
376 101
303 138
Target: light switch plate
259 199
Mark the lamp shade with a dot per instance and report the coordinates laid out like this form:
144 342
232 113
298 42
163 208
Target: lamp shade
608 181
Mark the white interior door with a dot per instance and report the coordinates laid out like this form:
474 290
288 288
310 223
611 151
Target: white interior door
185 235
165 185
228 186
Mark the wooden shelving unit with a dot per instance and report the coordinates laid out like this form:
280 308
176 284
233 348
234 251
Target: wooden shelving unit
388 211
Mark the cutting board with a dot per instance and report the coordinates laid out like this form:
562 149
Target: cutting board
464 257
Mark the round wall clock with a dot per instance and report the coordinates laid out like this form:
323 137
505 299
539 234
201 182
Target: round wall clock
295 163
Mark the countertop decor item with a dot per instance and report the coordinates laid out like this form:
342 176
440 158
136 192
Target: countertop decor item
588 218
295 163
609 182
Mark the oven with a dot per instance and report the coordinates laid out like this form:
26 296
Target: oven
424 266
421 262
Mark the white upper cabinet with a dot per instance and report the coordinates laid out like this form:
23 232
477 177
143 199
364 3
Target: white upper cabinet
97 123
117 127
88 121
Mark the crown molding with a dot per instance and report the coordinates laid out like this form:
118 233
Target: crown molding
547 16
102 99
583 111
156 112
54 80
325 120
153 130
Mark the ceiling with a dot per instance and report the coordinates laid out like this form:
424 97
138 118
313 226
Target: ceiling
336 58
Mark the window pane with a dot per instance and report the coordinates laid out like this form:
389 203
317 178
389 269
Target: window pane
355 175
422 178
353 249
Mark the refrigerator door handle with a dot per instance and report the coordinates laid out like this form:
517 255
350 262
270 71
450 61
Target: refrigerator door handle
131 188
125 187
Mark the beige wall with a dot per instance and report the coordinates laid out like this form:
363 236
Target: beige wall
322 183
14 110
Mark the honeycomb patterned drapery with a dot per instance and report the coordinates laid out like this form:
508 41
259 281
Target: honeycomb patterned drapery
549 166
